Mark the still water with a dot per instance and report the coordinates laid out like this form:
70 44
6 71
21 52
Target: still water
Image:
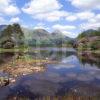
74 77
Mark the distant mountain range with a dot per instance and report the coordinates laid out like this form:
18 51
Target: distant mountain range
31 37
44 38
2 27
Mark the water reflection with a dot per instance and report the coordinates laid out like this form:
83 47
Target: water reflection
5 57
72 78
91 59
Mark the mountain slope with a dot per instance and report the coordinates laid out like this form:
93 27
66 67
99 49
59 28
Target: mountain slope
89 33
89 40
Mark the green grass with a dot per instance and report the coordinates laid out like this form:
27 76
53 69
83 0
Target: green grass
14 50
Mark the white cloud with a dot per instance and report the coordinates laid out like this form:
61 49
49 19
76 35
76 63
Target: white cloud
8 7
41 6
86 4
92 23
95 19
85 15
86 26
15 20
71 18
41 26
63 27
11 10
70 34
98 16
51 16
49 10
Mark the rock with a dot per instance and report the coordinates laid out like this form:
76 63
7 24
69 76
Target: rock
4 81
12 80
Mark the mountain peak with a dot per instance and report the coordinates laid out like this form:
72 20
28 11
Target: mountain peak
2 27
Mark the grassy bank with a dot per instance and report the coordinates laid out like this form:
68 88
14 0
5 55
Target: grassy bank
22 49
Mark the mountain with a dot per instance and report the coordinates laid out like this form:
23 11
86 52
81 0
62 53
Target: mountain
2 27
35 37
60 39
37 33
40 32
41 37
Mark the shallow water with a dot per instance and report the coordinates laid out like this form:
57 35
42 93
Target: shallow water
75 77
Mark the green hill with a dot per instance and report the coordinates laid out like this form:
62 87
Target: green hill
89 40
89 33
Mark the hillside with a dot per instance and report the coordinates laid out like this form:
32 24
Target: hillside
89 33
89 40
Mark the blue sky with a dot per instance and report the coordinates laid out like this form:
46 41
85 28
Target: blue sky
68 16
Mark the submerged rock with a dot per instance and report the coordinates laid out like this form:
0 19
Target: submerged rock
4 81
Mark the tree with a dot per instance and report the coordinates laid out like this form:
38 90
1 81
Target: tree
14 34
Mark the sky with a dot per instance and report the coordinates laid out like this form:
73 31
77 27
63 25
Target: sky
71 17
